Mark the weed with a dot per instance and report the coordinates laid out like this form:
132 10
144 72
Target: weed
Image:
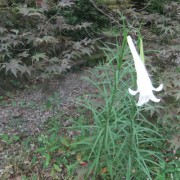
7 139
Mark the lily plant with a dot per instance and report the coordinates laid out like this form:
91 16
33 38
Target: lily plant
144 84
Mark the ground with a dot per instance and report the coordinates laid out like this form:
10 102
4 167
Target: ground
26 111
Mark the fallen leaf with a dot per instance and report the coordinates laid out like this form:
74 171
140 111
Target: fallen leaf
83 163
78 157
104 170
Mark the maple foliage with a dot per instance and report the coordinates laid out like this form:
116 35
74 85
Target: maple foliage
38 41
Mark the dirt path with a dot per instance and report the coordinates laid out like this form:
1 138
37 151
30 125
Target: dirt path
26 111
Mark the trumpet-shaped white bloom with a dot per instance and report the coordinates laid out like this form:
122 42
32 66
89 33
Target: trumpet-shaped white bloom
144 84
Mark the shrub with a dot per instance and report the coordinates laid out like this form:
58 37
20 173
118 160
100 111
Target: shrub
37 42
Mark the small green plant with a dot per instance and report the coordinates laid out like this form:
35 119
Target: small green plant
8 139
52 150
52 102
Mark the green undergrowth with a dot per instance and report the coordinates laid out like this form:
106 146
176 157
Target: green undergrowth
111 138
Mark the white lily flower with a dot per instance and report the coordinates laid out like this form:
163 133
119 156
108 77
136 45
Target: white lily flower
144 84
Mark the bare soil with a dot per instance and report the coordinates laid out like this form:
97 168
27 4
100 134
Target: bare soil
26 111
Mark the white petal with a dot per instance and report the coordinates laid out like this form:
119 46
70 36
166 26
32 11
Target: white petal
134 52
144 83
142 100
153 98
132 92
158 88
